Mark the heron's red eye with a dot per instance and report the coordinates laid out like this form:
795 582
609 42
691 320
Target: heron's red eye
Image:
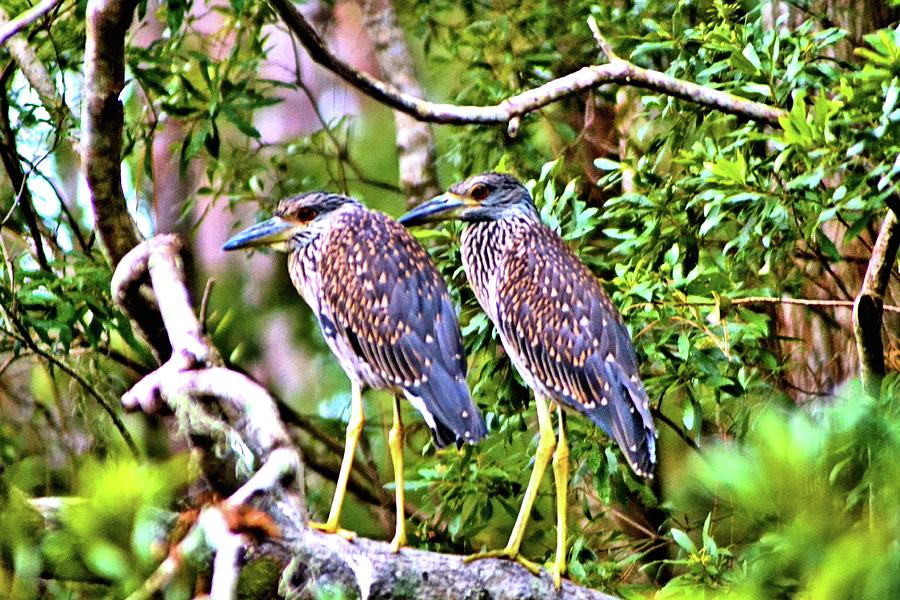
305 214
479 191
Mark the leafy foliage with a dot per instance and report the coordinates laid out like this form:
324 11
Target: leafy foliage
808 504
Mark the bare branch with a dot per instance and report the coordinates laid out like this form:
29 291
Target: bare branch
102 120
192 376
101 148
24 20
159 259
868 308
229 548
618 71
601 41
415 140
769 300
204 304
368 569
169 568
685 436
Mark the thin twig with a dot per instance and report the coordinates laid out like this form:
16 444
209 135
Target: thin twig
10 157
71 372
684 436
204 304
724 302
618 71
67 213
601 41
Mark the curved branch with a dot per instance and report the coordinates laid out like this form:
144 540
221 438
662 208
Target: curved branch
102 121
512 109
246 415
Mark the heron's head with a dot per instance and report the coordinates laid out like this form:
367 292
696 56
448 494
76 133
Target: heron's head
485 197
297 220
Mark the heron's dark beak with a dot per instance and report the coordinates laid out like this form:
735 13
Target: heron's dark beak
440 208
268 233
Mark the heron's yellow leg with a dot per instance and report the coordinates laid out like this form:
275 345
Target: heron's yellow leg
561 479
546 445
354 431
395 442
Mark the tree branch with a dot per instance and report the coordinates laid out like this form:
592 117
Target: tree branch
35 72
102 121
868 308
368 569
415 140
101 148
811 302
512 109
24 20
252 429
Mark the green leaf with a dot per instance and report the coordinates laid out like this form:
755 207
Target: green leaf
682 539
827 246
604 164
687 415
241 123
749 53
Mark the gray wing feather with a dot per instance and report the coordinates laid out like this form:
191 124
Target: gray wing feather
392 306
563 328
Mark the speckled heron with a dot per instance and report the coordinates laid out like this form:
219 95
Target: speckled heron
560 330
386 315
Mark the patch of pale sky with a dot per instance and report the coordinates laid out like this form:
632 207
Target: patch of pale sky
34 143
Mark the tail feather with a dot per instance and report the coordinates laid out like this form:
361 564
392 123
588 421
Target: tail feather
625 416
447 407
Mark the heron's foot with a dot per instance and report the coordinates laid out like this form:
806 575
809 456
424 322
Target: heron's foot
330 527
559 569
508 554
398 542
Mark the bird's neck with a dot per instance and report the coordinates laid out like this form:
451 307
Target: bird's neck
303 268
314 243
483 246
